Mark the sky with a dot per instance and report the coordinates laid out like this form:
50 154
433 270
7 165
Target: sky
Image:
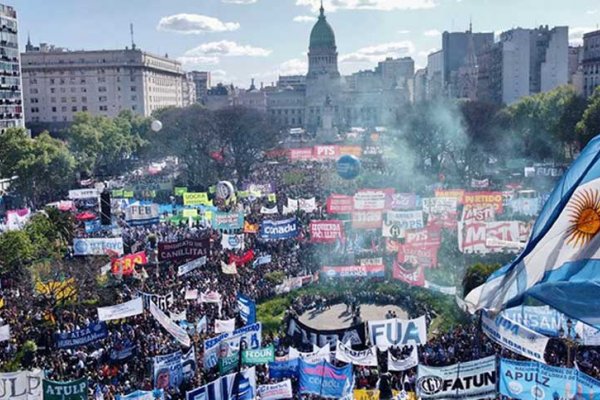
242 39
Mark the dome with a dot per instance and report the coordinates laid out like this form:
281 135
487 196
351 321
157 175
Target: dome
322 35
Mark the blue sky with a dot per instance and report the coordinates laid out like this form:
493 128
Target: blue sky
240 39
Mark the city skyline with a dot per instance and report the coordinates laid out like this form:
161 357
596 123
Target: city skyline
241 39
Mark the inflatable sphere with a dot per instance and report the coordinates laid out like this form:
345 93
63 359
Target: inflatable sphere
225 190
156 125
348 166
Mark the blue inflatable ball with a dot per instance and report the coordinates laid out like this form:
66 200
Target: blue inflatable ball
348 166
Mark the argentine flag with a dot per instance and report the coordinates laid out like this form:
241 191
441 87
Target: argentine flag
560 265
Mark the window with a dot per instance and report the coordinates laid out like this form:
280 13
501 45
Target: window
34 109
33 91
102 99
73 99
73 90
102 88
134 98
84 99
52 81
83 90
63 90
84 108
53 109
63 99
134 107
52 90
63 109
133 88
54 119
101 79
82 81
132 78
35 100
33 81
62 81
103 108
74 108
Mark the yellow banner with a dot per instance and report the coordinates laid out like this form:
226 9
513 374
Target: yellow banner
195 199
351 150
190 213
373 394
60 290
272 197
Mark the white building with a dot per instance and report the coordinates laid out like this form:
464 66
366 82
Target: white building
591 62
11 98
59 83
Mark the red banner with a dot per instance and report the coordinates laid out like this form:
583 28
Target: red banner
392 246
446 220
243 259
430 236
367 219
126 264
326 231
483 199
301 154
340 204
326 152
424 256
408 273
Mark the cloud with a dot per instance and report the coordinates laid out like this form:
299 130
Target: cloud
576 34
380 52
197 61
384 5
403 32
194 24
432 33
226 48
592 12
239 1
304 18
295 66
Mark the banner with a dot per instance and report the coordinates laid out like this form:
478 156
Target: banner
264 355
175 330
137 214
410 273
224 325
263 188
367 219
302 334
369 200
97 246
590 336
326 152
514 337
196 199
403 201
542 319
167 371
270 211
439 205
485 213
122 350
457 194
326 231
79 194
21 385
423 256
126 264
315 356
306 205
163 302
120 311
4 333
301 154
340 204
243 259
406 219
262 260
183 250
72 390
397 332
276 391
233 386
227 343
469 380
480 183
227 221
247 309
528 380
228 269
325 380
278 230
448 290
484 198
229 364
157 394
355 271
489 237
232 242
411 360
91 333
250 228
281 369
429 236
191 265
392 230
366 357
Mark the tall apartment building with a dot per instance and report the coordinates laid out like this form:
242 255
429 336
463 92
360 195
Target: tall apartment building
591 62
201 83
58 83
11 97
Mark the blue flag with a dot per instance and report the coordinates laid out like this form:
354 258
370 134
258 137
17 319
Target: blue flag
247 309
560 266
325 380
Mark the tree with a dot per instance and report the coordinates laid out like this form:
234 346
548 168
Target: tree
245 133
16 251
589 126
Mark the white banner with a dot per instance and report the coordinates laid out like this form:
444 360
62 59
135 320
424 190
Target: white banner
403 363
175 330
83 194
357 357
369 200
515 337
439 205
224 325
228 269
392 230
226 344
21 385
307 205
590 336
469 380
406 219
397 332
232 242
449 290
97 246
138 214
317 355
276 391
164 302
190 266
4 333
123 310
269 211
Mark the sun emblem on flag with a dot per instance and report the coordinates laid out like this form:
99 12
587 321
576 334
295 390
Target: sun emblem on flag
584 218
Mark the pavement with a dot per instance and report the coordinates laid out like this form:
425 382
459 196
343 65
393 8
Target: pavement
336 317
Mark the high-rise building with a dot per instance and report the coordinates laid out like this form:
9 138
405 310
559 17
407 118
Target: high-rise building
591 62
202 83
59 83
435 75
188 90
11 97
576 68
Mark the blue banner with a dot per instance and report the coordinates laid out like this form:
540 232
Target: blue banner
530 380
157 394
279 230
247 309
92 226
283 369
227 221
542 319
122 351
168 372
81 337
323 379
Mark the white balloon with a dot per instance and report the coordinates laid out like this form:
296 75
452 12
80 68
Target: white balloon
156 125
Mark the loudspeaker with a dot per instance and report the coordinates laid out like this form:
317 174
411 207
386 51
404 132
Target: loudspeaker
105 212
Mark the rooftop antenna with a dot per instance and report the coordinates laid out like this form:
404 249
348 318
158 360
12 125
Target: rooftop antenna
132 40
471 24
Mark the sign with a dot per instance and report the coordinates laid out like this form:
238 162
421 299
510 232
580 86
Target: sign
326 152
403 201
489 237
250 228
279 230
72 390
276 391
175 330
137 214
515 337
356 357
528 380
392 230
325 380
227 221
302 154
233 386
340 204
179 190
328 231
397 332
224 325
126 264
315 356
403 363
542 319
162 302
247 309
195 199
406 219
457 194
182 250
423 256
120 311
484 198
469 380
409 273
369 200
367 219
351 150
80 337
191 265
302 334
428 237
21 385
229 363
78 194
263 355
97 246
478 213
232 242
167 371
157 394
229 342
285 368
355 271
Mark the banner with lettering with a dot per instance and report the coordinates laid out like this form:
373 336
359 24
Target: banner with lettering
302 334
126 264
424 256
81 337
240 386
191 265
232 242
301 154
410 273
370 200
325 380
120 311
247 309
328 231
404 201
163 302
175 330
354 271
167 371
404 360
367 219
340 204
406 219
484 198
21 385
183 250
427 237
229 342
489 237
276 391
263 355
458 194
138 214
397 332
97 246
326 152
283 368
227 221
72 390
439 205
279 230
318 354
196 199
346 354
157 394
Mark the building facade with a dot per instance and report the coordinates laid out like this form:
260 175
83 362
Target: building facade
591 62
59 83
201 83
11 96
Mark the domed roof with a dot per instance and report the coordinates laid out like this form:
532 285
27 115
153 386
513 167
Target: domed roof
322 35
